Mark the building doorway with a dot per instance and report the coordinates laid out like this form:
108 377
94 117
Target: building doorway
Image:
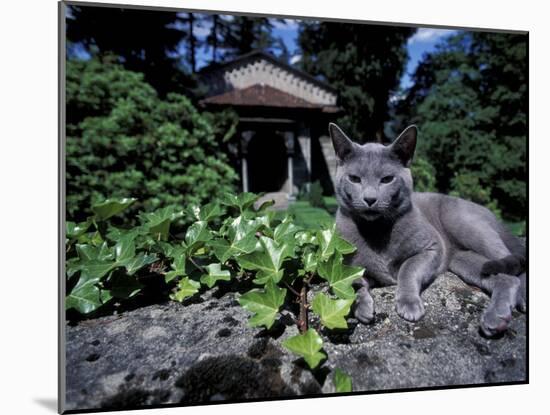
267 162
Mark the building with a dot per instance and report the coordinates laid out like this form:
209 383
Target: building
283 122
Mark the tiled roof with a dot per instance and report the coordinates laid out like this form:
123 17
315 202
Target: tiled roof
260 95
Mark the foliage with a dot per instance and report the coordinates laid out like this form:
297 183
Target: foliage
120 32
470 98
363 63
122 139
423 174
230 242
313 193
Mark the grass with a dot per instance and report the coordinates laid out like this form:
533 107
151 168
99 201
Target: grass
308 216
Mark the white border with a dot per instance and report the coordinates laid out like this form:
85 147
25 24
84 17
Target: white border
28 162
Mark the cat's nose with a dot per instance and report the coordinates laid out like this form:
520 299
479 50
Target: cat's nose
370 200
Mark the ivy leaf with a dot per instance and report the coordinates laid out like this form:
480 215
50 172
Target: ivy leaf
111 207
285 230
307 345
330 242
186 288
125 248
207 212
87 252
342 381
242 201
158 222
267 261
74 230
178 254
215 273
86 296
225 250
332 312
196 235
134 264
264 304
306 238
340 276
310 261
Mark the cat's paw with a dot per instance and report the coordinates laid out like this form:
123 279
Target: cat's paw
410 308
494 322
364 311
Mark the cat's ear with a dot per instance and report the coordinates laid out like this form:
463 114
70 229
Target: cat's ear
404 145
343 146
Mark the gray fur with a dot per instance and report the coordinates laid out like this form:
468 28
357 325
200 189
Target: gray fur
408 238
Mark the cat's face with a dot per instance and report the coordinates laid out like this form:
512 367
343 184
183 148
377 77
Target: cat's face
373 181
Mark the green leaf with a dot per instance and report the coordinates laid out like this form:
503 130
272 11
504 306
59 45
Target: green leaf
215 274
178 254
310 261
86 296
74 230
242 201
332 312
87 252
97 269
207 212
196 235
306 237
186 288
285 230
340 276
158 222
264 304
111 207
342 381
330 242
134 264
125 248
307 345
267 261
225 250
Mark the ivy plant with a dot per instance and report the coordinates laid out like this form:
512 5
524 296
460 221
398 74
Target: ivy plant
227 240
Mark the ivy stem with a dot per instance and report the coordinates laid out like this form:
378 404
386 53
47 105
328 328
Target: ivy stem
292 290
302 320
201 269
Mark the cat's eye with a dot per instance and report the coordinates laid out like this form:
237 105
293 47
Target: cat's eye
354 179
386 179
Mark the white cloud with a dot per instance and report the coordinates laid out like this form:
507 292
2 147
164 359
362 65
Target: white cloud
295 59
286 24
429 35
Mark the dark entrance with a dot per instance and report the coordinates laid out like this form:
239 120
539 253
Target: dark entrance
267 162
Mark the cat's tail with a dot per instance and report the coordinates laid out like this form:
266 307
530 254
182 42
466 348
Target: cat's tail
513 264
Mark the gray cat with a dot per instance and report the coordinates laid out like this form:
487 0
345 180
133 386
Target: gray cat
408 238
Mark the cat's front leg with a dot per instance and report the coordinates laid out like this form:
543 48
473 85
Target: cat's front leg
414 275
364 304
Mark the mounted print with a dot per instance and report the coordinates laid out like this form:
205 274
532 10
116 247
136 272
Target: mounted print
261 207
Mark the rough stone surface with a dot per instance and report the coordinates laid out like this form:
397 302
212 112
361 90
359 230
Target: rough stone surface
204 351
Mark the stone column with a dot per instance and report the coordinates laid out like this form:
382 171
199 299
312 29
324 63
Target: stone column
289 143
304 140
246 136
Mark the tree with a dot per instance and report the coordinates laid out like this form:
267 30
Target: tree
125 141
363 62
245 34
469 98
144 41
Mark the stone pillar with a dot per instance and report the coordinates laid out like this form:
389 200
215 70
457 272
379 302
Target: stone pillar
289 143
304 140
246 136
